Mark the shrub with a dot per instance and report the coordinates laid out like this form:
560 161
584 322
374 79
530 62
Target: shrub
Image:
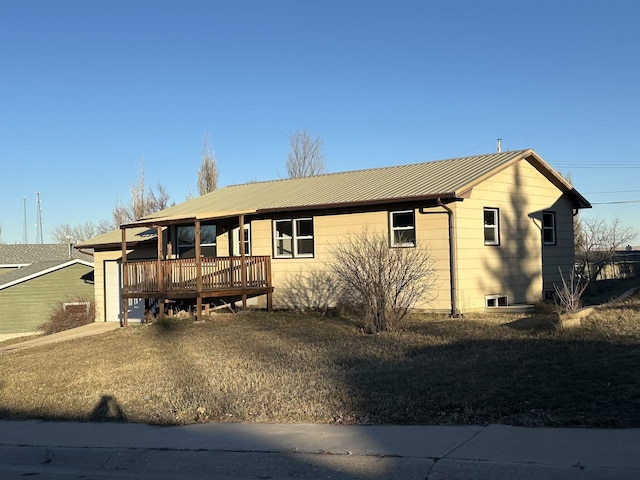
382 283
569 294
68 314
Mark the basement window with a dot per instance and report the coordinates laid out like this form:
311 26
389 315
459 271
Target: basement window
496 301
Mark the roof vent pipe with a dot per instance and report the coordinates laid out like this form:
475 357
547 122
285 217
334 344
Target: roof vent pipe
499 145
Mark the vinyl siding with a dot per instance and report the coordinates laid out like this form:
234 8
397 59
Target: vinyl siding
513 268
25 306
330 230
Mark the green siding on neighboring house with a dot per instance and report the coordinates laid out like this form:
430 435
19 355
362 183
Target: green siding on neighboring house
26 306
6 270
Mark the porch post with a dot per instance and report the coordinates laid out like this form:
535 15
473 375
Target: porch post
269 284
159 271
125 279
198 272
243 263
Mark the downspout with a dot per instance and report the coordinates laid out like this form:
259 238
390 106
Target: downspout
452 259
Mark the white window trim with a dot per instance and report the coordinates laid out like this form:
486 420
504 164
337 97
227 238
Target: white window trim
495 227
552 228
294 238
393 229
247 240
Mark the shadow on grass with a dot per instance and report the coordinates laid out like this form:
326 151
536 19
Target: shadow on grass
292 368
541 322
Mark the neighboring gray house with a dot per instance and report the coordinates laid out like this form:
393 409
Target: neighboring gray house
34 277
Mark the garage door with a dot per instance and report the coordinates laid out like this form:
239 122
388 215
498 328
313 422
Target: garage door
113 287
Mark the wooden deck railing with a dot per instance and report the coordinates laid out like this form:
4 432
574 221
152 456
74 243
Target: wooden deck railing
180 275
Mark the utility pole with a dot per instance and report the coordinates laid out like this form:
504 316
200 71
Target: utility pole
39 224
24 225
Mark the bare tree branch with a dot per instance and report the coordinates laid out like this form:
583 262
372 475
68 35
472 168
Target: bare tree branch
305 157
382 283
208 174
597 241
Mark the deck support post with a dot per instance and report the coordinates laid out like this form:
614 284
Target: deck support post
198 255
125 280
243 262
269 284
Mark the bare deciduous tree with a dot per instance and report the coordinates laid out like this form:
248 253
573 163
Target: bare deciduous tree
382 283
142 202
208 174
305 157
75 233
597 241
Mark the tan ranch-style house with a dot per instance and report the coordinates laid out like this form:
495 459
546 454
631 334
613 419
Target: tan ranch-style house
499 227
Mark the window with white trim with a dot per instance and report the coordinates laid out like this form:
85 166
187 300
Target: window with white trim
403 228
186 236
491 226
549 228
293 238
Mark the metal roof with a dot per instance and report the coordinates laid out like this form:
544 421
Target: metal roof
114 237
388 184
447 179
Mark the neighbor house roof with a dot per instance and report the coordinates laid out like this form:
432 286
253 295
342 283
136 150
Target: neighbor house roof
38 269
446 179
16 255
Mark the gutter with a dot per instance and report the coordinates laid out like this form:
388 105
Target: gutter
452 258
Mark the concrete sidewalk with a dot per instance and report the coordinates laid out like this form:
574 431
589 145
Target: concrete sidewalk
64 450
95 328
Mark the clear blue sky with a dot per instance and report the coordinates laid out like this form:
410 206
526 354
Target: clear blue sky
88 89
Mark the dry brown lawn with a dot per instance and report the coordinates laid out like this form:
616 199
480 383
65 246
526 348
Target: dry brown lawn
284 367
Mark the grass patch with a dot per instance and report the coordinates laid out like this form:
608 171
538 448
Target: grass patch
285 367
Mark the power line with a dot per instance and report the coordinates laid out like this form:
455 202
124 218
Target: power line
616 191
615 203
607 166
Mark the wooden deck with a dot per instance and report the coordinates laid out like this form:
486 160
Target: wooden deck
180 276
211 277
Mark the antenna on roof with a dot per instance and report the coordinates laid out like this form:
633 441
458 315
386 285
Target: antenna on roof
24 225
499 145
39 224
